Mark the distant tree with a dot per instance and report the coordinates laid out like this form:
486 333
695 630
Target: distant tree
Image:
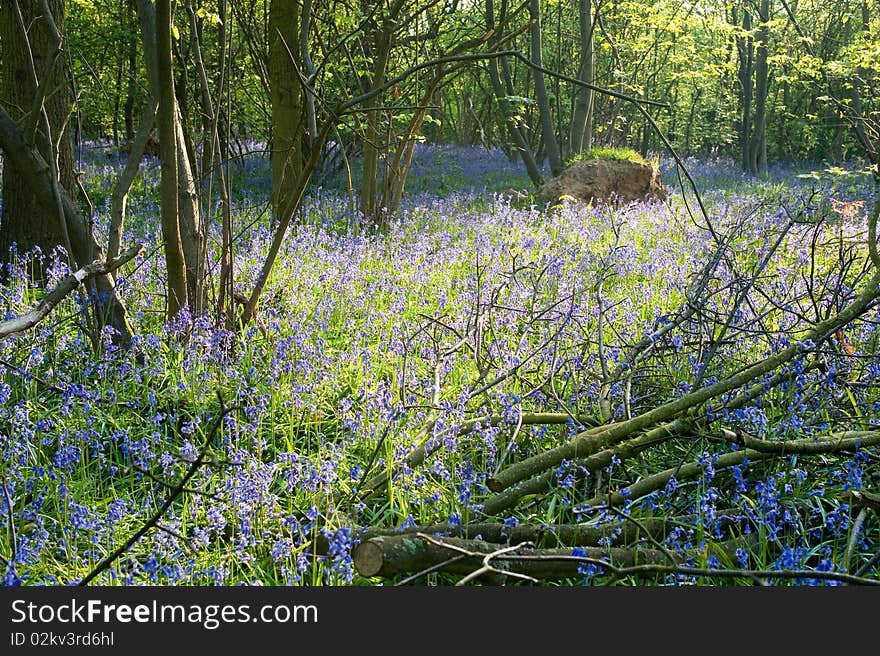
502 88
758 142
548 134
753 80
581 132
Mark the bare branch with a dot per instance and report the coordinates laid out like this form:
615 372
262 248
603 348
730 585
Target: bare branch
66 286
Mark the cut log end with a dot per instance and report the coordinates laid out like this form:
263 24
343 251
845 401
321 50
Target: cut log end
368 558
494 484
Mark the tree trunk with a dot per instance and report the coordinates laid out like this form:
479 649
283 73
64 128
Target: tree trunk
125 179
582 117
401 158
501 90
131 91
373 138
38 180
547 133
866 137
758 145
310 71
23 222
36 175
190 231
286 95
745 50
175 266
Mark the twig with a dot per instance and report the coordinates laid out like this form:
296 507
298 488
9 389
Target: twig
154 519
853 539
586 444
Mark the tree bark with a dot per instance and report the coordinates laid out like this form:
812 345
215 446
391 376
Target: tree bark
623 533
286 93
191 234
131 91
380 41
581 138
25 57
38 178
389 556
548 134
310 71
123 184
501 90
745 49
758 145
174 262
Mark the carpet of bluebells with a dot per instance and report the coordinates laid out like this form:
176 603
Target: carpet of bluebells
472 303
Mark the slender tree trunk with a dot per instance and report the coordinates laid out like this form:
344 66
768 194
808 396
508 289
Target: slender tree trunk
758 145
131 92
310 71
868 139
501 89
174 262
181 64
582 118
373 138
614 135
286 94
117 96
125 179
207 113
745 50
192 231
695 99
645 137
192 239
548 135
396 173
226 292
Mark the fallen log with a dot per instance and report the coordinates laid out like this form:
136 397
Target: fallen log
389 556
624 533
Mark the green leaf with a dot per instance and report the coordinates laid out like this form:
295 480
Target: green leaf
211 17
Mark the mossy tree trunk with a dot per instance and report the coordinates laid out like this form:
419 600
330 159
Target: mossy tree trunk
174 263
286 95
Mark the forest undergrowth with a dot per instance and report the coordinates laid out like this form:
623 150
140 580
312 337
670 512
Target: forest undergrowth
489 391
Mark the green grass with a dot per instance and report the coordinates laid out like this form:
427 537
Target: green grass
608 152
